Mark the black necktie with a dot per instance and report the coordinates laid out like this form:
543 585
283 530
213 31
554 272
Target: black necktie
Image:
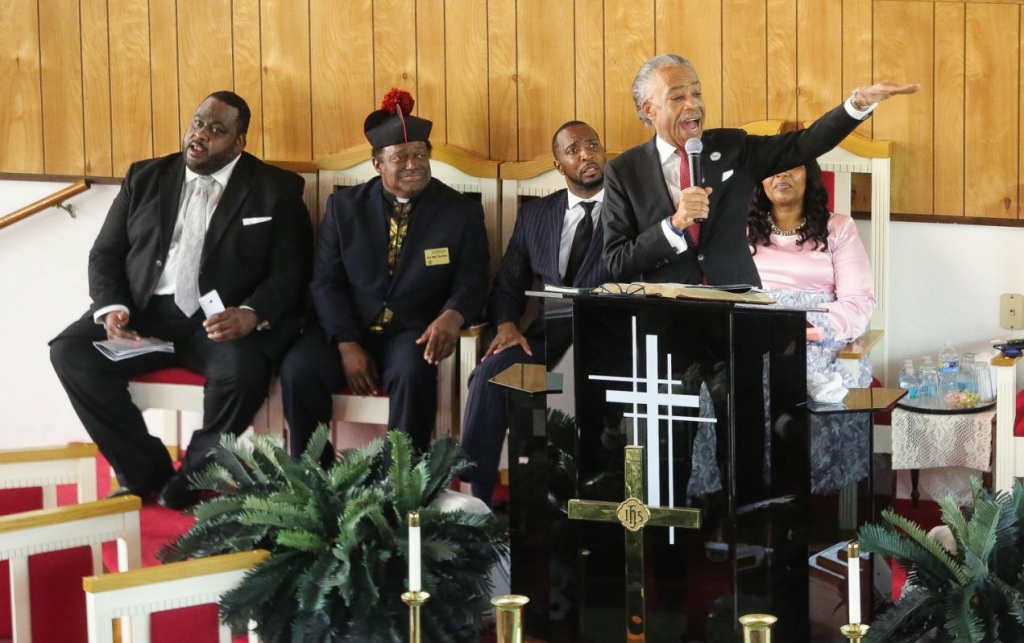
580 242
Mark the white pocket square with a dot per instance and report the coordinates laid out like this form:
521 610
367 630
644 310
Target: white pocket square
255 220
726 175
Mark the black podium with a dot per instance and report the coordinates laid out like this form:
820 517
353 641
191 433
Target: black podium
710 391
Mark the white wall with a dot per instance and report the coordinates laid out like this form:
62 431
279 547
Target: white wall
43 287
945 285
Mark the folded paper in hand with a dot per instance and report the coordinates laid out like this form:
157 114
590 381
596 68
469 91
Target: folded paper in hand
118 349
826 387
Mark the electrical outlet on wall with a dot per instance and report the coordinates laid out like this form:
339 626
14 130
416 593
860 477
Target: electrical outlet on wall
1011 311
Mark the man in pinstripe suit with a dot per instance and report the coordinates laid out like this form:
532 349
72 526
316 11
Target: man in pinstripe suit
557 240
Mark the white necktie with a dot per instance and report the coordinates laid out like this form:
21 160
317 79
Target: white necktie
190 248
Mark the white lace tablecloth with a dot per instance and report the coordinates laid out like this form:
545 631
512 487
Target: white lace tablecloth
928 441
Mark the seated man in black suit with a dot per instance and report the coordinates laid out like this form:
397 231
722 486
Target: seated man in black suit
660 228
212 218
556 240
400 266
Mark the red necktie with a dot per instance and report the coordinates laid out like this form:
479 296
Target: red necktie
693 231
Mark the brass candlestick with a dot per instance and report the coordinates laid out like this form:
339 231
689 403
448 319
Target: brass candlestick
508 614
414 600
855 631
757 628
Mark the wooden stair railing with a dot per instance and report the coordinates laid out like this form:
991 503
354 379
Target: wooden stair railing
55 200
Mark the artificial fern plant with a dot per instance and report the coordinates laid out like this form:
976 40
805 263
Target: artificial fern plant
338 541
975 594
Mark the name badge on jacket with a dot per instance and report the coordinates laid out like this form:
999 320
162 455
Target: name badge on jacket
436 256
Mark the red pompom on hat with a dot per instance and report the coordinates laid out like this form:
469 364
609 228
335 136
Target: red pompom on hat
393 124
397 99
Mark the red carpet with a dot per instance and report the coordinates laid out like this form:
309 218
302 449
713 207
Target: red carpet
927 515
56 578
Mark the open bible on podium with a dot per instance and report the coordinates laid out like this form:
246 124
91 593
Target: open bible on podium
711 391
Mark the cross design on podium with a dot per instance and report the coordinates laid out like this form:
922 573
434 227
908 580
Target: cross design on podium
652 399
634 515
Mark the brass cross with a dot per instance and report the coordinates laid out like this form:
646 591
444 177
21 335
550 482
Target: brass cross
634 515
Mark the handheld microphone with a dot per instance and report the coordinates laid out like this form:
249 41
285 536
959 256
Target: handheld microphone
693 149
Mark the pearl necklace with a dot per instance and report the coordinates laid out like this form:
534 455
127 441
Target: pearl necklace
787 233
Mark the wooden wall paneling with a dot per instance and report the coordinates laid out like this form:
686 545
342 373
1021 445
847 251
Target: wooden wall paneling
547 71
60 46
287 94
430 90
394 47
1020 128
948 111
21 117
744 60
466 75
819 57
693 29
905 54
991 118
502 81
857 50
629 42
131 114
589 38
780 63
248 78
342 59
96 89
163 43
204 53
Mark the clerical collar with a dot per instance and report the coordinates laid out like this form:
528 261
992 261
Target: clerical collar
575 200
391 199
220 176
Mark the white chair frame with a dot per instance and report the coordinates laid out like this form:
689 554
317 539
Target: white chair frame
1008 461
36 532
48 467
135 595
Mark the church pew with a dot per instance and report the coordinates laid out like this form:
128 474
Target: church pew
48 467
140 592
48 530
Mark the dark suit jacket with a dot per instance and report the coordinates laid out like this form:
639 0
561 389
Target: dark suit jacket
264 265
350 273
637 200
532 255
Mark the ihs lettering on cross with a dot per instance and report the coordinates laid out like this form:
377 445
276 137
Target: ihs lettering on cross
634 515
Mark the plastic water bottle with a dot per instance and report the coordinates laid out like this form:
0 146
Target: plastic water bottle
967 379
929 390
909 381
949 370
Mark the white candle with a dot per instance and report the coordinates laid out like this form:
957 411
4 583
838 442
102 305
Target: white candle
853 572
415 584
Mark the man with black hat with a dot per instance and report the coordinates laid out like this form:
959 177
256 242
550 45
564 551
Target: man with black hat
400 266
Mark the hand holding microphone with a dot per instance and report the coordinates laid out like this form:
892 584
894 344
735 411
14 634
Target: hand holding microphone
693 201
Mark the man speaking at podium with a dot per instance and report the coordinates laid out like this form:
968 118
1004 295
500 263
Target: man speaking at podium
660 225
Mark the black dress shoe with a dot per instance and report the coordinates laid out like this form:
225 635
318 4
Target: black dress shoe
120 492
178 493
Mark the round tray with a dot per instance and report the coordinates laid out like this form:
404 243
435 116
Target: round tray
911 405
